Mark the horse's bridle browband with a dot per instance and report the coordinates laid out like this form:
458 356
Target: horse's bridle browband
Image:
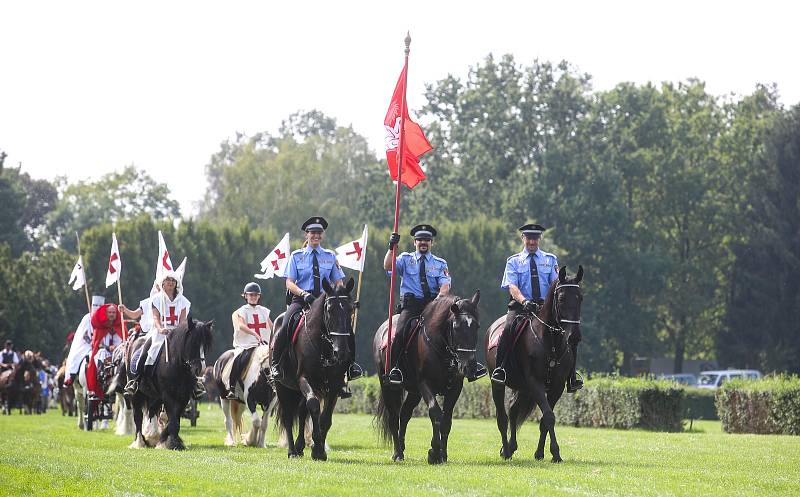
555 304
558 328
324 314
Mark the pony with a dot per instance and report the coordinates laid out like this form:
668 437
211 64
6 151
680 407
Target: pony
542 361
442 348
256 391
172 383
318 361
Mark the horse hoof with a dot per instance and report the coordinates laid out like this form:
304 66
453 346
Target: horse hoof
398 457
538 456
434 458
557 459
505 454
294 455
319 456
513 446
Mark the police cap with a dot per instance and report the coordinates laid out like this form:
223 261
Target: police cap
423 232
316 223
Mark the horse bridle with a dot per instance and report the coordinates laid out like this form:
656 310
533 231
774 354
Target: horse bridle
328 328
450 349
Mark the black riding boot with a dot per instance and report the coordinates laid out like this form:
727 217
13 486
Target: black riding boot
395 375
499 373
575 382
278 351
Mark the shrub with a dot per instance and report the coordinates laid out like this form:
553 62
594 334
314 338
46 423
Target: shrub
767 406
609 402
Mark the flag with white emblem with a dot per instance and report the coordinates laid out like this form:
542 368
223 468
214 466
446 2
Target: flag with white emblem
114 263
274 264
351 255
76 278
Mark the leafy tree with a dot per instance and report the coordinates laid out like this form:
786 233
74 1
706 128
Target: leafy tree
114 197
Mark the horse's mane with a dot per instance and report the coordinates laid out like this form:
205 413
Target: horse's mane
547 308
437 312
188 332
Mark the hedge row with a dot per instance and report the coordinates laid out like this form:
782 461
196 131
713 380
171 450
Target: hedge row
768 406
698 403
603 402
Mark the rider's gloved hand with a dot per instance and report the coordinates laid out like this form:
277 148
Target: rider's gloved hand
308 298
530 306
394 239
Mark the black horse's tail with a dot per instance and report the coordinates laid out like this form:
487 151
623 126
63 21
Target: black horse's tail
522 406
383 414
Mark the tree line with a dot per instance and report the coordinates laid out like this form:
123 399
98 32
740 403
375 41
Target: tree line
683 208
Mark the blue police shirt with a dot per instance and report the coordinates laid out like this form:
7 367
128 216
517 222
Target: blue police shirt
300 267
518 272
407 265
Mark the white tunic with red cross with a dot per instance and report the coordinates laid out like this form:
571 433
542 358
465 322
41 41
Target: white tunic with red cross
170 311
256 317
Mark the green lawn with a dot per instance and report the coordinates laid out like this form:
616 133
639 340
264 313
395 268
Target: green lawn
47 455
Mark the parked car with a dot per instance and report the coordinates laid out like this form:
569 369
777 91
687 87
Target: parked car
715 379
687 379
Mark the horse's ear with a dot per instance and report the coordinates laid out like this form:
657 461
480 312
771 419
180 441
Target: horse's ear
327 287
579 276
562 274
477 297
210 325
454 308
350 284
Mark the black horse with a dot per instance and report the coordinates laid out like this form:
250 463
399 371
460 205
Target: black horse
318 362
172 383
439 355
542 362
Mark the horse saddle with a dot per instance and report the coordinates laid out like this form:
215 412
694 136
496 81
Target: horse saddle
410 332
242 361
295 323
520 323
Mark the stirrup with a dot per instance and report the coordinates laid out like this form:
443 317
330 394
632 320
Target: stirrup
499 375
574 383
354 372
480 372
395 376
132 387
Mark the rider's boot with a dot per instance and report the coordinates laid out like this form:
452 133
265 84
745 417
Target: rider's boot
199 389
575 381
278 351
499 373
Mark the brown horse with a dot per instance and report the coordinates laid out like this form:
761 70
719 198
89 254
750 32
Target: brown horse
542 361
66 395
439 356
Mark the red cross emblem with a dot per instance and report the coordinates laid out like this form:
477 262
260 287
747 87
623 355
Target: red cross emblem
256 326
281 255
111 268
357 250
172 318
164 261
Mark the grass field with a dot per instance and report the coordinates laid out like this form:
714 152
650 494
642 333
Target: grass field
47 455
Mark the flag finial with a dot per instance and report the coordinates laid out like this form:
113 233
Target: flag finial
408 42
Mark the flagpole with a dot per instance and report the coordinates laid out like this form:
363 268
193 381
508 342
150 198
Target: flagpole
121 319
358 288
83 272
400 146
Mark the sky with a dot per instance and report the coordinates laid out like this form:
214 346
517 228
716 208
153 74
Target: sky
87 88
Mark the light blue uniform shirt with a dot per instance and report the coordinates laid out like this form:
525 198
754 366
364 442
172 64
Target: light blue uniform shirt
301 267
408 269
518 272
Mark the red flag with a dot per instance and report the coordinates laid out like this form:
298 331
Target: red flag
414 142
